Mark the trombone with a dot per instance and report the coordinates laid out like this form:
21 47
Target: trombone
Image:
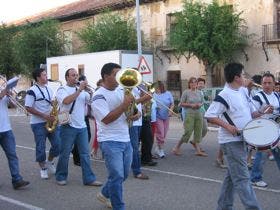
130 78
3 86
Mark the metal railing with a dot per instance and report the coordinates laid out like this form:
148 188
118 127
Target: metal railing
271 33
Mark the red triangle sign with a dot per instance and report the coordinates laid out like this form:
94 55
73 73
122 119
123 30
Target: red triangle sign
143 67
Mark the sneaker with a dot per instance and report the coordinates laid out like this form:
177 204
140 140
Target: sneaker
20 184
44 173
271 157
260 184
61 183
104 200
51 167
161 153
157 151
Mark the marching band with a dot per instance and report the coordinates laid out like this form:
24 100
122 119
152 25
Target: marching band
244 119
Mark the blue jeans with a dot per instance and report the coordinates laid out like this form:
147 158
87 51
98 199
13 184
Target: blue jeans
257 169
7 141
40 136
237 178
134 133
118 158
70 135
276 154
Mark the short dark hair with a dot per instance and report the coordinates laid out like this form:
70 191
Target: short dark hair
231 70
67 73
201 80
108 68
268 74
257 78
37 73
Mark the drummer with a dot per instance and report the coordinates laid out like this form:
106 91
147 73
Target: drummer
232 110
270 99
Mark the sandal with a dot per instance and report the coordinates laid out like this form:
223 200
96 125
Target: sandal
176 152
141 176
202 154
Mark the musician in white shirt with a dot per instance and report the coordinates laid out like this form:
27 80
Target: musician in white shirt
74 99
232 104
38 102
265 99
7 142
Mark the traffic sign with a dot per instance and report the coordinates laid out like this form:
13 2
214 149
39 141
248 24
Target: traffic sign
143 67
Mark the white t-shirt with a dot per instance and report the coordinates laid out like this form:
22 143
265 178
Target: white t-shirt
272 99
239 111
103 102
77 117
39 99
5 124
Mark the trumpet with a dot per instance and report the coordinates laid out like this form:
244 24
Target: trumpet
3 86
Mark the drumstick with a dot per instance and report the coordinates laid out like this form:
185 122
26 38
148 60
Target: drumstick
251 128
240 131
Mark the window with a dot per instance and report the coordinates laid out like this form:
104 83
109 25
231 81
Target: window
170 22
54 72
278 19
174 80
68 45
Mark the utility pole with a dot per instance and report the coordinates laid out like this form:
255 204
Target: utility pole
139 44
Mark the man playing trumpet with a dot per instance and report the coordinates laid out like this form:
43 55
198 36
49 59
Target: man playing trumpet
38 102
73 99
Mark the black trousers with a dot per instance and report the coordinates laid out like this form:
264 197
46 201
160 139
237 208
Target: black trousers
75 152
146 138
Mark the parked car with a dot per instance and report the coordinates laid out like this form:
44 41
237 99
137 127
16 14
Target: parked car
210 94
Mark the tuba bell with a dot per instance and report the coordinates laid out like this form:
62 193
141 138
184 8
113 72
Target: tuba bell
129 78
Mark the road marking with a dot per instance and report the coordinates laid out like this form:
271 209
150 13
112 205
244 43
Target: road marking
177 174
19 203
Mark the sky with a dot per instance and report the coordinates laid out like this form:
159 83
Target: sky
11 10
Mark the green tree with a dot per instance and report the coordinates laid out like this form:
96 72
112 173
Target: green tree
211 32
110 32
8 64
35 42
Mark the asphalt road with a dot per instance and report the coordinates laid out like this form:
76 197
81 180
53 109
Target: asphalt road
186 182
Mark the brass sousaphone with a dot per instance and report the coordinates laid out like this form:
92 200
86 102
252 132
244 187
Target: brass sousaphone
128 79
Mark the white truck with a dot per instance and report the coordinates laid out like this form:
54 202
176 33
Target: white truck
90 64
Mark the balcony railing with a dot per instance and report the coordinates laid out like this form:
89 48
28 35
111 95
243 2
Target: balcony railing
271 33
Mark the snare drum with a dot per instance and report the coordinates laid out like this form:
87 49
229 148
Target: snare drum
261 134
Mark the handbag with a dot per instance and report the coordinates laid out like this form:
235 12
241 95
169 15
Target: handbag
64 116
